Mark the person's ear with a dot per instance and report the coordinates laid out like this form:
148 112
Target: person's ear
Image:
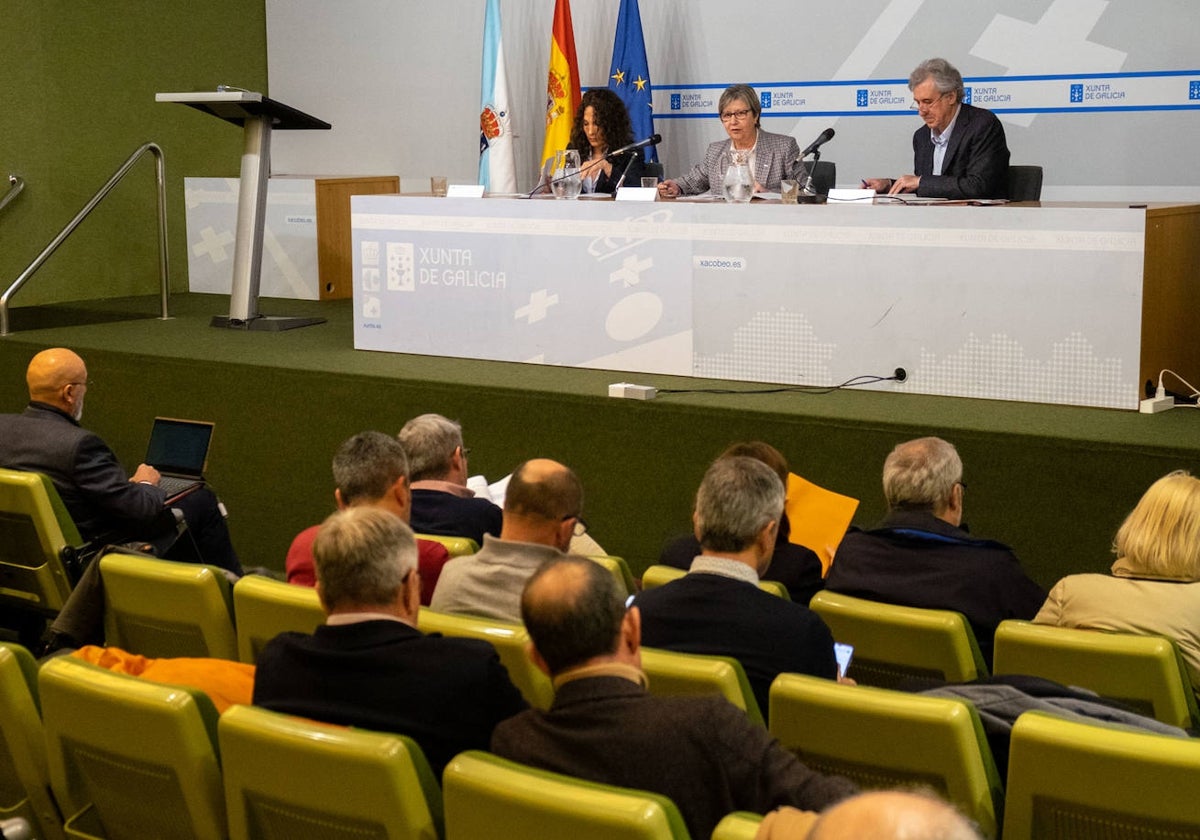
631 630
337 497
410 594
402 493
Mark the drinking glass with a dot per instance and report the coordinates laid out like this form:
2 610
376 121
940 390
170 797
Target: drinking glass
567 183
737 181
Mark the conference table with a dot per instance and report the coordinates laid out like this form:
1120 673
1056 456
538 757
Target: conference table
1066 303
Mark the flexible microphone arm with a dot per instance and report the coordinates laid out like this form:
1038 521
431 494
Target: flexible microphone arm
653 140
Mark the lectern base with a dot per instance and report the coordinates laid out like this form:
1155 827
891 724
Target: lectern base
264 323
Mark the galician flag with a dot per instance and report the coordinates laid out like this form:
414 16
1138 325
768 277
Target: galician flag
562 86
497 160
629 74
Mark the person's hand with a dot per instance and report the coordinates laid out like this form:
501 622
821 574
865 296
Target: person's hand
846 681
145 474
668 189
879 185
905 184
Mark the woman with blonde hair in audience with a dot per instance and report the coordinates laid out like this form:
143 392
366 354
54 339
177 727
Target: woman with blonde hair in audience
1154 587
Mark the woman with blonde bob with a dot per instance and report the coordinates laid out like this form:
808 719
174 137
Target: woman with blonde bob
1154 586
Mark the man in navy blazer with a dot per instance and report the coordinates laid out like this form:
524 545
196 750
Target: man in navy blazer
368 665
960 152
717 607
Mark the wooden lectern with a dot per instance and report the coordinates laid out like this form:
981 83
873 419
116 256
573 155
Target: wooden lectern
258 115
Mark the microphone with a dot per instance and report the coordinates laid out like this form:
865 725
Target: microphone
825 137
653 140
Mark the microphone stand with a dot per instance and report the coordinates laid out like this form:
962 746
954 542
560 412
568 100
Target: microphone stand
621 182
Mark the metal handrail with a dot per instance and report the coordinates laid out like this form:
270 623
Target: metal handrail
16 185
161 180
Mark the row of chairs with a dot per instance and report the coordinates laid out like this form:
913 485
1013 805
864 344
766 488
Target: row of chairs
158 608
893 643
1066 779
113 756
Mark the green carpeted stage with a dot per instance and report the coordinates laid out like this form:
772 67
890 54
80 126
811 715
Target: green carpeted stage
1052 481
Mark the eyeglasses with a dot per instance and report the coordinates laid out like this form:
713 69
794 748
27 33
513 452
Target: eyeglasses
730 116
465 451
88 382
918 104
580 527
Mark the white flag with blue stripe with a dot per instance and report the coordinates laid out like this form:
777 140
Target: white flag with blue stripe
497 159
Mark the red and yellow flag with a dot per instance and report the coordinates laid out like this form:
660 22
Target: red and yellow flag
562 86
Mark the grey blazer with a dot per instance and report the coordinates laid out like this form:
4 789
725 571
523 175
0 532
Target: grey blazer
774 160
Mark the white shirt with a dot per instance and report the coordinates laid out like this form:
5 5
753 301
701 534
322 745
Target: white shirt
940 141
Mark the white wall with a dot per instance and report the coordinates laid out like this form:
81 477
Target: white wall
399 80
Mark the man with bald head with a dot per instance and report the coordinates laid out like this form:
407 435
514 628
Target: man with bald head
701 752
104 501
892 815
542 509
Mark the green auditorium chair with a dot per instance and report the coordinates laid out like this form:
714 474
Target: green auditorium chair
161 608
488 797
510 641
34 529
456 546
286 777
1080 781
1146 673
263 608
130 758
882 738
892 643
673 673
740 825
619 569
24 777
657 575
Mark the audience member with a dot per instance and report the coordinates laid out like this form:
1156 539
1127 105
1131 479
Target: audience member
892 815
1154 587
370 468
103 500
106 504
368 665
921 554
960 152
717 607
796 567
701 752
442 504
541 512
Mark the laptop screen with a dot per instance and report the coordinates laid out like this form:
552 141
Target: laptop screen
179 446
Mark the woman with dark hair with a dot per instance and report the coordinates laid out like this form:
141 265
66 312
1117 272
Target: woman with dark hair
601 125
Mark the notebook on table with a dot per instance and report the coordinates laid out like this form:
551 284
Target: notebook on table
178 449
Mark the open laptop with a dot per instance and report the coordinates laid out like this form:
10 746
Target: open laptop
178 449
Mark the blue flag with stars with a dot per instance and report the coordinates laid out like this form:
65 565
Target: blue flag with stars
629 74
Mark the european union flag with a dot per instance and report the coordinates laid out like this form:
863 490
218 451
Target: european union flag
629 74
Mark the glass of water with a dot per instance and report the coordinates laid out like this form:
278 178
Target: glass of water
567 183
737 182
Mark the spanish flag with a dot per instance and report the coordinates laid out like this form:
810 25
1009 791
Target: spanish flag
562 86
